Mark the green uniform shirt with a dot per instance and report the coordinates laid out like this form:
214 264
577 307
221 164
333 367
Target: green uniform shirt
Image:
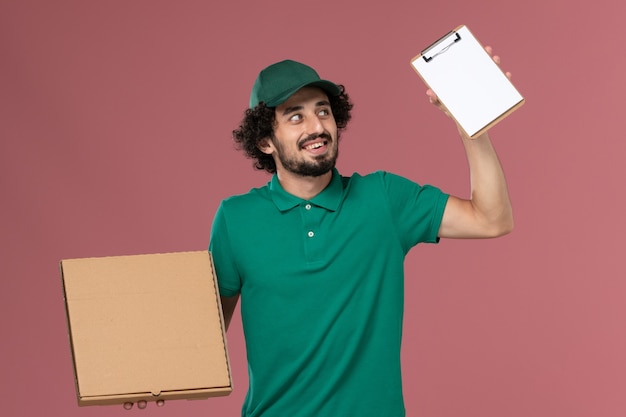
322 290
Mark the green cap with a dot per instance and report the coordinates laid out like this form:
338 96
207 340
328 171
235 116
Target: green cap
276 83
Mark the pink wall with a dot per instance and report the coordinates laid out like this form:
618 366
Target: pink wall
115 121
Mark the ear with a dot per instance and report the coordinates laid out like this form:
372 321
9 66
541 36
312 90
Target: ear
266 146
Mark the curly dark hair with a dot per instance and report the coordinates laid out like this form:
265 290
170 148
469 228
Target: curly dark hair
258 124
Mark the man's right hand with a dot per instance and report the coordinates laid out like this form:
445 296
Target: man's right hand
143 404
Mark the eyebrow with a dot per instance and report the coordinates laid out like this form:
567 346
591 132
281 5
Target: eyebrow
293 109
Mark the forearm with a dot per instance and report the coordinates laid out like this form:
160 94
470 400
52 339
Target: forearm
489 194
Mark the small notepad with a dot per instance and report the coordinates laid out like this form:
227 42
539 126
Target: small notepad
467 81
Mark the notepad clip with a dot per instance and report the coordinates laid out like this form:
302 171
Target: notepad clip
441 46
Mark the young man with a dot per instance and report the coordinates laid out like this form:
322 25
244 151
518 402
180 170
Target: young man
317 258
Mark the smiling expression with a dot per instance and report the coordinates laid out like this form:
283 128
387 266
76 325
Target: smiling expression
304 140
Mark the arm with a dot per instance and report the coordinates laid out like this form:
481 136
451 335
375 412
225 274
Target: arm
228 308
488 212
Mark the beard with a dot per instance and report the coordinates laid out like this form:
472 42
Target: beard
319 166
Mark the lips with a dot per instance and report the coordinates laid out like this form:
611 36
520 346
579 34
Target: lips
316 142
315 145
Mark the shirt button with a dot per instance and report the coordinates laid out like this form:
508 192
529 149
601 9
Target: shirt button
308 207
311 234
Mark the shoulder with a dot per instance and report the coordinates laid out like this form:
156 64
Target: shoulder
367 179
396 188
377 179
254 197
237 212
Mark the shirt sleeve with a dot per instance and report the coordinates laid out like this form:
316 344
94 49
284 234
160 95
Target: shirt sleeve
416 210
228 277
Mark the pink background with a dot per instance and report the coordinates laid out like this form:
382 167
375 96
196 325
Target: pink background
115 121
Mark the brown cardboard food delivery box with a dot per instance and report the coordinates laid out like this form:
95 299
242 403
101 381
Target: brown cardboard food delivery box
145 327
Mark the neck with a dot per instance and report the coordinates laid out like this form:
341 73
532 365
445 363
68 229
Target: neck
304 187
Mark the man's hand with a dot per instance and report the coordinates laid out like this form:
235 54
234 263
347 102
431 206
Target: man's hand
142 404
488 212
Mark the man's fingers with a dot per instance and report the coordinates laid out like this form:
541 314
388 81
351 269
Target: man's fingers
432 97
142 404
496 59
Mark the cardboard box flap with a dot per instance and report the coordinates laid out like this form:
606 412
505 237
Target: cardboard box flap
145 325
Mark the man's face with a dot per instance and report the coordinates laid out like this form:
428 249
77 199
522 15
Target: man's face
305 138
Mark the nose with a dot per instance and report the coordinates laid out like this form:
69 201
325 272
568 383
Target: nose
314 125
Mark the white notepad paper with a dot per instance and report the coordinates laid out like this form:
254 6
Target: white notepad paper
467 81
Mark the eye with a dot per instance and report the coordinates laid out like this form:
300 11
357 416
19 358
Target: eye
295 118
324 112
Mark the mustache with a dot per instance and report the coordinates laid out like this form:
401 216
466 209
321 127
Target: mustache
323 135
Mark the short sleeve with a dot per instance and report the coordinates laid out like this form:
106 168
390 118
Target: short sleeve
228 277
416 210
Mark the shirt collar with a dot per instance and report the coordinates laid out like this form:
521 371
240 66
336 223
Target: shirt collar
330 197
